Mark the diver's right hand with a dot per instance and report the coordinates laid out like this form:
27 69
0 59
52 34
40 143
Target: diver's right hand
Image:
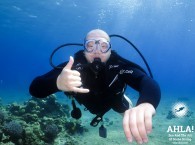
70 80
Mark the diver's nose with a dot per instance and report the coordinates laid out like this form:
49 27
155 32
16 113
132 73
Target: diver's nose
97 50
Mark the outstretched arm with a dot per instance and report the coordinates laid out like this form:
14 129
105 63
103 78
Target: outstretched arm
45 85
137 122
70 80
66 80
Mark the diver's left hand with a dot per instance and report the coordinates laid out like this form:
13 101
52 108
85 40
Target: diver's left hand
137 122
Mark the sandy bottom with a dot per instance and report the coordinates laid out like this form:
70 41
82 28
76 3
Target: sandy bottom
115 134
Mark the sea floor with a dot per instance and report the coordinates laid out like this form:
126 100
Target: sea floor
159 135
115 135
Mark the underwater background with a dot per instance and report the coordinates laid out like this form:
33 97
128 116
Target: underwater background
163 30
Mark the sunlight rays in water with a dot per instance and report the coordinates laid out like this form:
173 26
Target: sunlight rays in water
117 8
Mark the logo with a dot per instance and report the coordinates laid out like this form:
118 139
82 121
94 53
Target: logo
78 66
179 109
126 71
113 66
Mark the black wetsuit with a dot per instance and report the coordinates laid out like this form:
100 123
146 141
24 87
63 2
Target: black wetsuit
106 87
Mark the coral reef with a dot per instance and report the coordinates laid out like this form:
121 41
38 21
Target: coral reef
14 130
74 127
38 121
1 135
2 117
51 131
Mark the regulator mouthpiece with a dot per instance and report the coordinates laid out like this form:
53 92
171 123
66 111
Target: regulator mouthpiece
97 65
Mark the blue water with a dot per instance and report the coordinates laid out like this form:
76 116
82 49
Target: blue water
164 32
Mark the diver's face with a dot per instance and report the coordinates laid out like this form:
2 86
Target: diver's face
98 46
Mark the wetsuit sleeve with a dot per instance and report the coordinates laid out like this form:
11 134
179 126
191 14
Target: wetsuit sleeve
45 85
149 92
148 88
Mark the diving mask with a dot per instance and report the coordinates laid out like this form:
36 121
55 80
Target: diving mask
102 44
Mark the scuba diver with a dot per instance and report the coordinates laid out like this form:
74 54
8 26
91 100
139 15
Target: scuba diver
97 78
